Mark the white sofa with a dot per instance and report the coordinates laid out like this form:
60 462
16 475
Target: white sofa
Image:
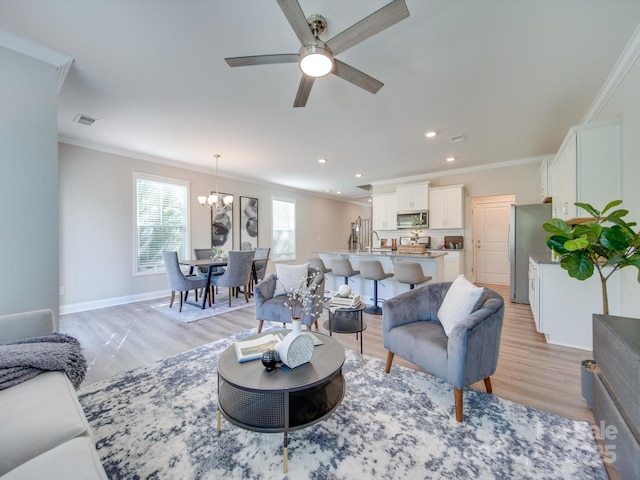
43 430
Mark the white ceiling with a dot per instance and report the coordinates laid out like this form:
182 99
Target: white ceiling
512 76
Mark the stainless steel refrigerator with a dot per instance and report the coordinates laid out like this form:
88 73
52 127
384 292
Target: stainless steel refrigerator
526 236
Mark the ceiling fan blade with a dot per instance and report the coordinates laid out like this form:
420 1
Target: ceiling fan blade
388 15
262 59
297 20
355 76
303 91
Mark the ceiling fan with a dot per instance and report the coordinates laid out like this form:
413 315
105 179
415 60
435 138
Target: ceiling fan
317 58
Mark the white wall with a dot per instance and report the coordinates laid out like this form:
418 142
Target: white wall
97 224
625 104
28 184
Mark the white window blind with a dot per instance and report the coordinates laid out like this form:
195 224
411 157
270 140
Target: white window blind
162 220
284 230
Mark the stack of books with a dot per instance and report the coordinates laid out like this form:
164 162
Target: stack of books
352 301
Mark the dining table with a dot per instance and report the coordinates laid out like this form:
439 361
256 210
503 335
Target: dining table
210 263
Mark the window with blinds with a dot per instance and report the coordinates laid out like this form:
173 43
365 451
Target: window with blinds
283 245
162 220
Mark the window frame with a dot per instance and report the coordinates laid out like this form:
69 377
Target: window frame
186 241
275 256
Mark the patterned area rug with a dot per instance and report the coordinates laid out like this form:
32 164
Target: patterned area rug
160 422
192 313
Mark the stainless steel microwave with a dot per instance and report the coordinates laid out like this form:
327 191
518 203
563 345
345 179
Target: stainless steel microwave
413 220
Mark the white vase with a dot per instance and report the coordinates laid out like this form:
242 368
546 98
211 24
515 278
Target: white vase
295 349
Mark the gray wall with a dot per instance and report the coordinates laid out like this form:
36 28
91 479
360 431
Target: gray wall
28 184
97 224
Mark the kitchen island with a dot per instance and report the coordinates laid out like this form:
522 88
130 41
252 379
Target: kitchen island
432 264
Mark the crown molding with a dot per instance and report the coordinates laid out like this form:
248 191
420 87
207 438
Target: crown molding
623 65
60 61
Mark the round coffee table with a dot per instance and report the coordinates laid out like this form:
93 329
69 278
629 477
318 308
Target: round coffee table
285 399
346 320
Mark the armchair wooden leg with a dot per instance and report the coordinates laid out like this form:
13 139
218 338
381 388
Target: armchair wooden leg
260 322
180 310
487 384
173 297
230 295
390 355
309 327
316 325
457 397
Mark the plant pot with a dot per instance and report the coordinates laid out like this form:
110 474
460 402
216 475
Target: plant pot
587 373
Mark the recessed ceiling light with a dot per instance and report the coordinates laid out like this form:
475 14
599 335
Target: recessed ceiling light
430 134
339 192
451 159
358 175
322 160
369 199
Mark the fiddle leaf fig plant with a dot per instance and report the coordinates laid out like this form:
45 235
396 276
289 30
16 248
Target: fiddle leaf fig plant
606 245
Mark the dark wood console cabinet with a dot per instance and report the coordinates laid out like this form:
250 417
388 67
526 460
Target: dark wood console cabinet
616 390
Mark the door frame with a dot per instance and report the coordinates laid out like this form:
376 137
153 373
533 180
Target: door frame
506 199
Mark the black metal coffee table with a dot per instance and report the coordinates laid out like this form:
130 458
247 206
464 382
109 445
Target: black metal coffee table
347 320
285 399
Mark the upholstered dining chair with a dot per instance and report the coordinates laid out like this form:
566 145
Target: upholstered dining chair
412 329
178 282
260 262
238 272
204 254
270 302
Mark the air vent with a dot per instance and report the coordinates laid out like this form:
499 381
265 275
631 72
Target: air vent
367 187
457 138
84 120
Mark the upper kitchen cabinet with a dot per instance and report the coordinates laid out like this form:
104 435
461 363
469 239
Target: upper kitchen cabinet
545 180
586 169
385 211
413 197
446 207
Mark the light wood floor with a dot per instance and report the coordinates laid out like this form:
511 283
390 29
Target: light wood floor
530 371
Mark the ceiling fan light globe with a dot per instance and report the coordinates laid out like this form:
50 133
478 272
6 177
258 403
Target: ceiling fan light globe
315 60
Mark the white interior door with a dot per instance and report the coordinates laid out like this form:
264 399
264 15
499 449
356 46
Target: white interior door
491 217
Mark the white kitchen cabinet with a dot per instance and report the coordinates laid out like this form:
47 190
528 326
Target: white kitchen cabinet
446 207
385 211
545 180
562 306
587 169
453 265
413 197
533 294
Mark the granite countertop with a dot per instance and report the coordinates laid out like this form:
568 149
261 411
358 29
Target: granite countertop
546 257
387 252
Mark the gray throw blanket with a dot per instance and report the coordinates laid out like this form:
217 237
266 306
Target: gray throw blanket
23 359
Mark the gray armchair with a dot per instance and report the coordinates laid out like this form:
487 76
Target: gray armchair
411 329
178 282
237 273
273 309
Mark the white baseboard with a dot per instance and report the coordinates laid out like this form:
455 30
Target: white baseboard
110 302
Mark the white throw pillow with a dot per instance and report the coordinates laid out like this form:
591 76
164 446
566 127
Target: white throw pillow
289 277
459 302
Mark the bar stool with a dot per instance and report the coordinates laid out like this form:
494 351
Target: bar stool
410 272
372 270
318 264
341 267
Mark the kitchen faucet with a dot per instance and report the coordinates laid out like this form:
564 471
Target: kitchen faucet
369 248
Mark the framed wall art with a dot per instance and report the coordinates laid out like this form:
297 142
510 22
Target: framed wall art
248 223
222 224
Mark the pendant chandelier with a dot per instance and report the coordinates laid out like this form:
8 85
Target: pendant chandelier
214 200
